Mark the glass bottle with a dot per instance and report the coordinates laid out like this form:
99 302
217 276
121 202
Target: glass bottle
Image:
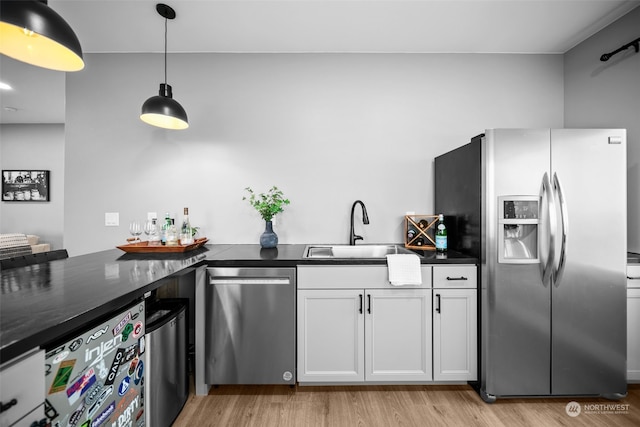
165 228
186 234
441 235
172 233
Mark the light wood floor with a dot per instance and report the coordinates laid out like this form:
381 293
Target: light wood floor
387 406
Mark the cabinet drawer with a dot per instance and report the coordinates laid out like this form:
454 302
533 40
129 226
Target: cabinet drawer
23 380
633 275
454 276
352 277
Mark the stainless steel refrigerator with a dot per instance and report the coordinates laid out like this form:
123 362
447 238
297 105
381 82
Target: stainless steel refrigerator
544 210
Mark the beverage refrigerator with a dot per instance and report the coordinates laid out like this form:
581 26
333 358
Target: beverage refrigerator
96 378
544 211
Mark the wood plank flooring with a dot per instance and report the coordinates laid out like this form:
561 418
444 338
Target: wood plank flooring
387 406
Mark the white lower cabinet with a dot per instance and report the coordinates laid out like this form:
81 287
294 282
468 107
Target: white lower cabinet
22 390
330 336
633 322
455 322
633 338
454 335
354 327
378 335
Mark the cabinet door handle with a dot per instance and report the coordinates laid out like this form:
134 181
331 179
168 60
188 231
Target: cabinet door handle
8 405
437 303
369 301
360 303
457 278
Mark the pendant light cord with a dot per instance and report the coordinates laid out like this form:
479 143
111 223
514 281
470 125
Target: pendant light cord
165 50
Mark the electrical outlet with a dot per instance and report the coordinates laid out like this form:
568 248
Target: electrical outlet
112 219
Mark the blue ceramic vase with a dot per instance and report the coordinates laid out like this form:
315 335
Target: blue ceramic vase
269 239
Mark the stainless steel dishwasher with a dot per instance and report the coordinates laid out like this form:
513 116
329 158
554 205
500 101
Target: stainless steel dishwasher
250 326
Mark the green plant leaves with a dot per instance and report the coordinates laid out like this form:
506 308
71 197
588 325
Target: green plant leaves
267 204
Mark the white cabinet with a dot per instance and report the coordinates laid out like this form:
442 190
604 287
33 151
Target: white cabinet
22 389
330 335
397 335
353 326
633 323
455 342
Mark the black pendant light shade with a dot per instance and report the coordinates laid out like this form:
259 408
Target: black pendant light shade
31 32
162 110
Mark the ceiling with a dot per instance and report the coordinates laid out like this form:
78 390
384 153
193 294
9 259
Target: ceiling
429 26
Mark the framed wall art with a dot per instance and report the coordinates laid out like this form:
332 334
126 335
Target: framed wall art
25 185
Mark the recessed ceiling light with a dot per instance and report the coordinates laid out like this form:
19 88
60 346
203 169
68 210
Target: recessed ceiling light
5 86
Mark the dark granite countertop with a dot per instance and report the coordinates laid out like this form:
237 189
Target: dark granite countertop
41 303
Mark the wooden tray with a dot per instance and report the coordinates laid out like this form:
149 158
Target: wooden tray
143 247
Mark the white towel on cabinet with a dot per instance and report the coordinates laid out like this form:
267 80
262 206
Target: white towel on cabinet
404 269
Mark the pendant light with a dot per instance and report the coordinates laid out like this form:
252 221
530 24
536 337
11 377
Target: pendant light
31 32
162 110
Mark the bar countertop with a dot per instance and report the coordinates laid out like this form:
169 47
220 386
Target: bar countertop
43 302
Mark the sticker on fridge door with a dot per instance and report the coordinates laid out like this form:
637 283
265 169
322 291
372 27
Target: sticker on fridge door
93 394
62 376
98 403
104 416
60 357
76 344
80 387
125 408
139 372
75 417
127 331
124 386
97 334
137 330
121 324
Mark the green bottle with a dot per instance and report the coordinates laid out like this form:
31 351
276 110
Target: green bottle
441 236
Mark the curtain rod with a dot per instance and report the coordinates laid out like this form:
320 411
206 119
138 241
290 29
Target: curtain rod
635 44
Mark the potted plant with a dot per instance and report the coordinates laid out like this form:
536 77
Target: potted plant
268 205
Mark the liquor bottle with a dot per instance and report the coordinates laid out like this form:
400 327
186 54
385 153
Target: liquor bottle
165 228
186 234
441 236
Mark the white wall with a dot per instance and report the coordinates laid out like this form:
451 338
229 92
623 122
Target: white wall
607 94
35 147
326 128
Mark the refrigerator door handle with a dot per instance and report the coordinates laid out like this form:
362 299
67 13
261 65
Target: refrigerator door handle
546 266
557 188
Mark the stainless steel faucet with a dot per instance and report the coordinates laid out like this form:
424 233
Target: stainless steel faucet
365 220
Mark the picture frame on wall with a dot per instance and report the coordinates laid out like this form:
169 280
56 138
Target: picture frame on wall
25 185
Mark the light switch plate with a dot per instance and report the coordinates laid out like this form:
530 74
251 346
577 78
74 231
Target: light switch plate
112 219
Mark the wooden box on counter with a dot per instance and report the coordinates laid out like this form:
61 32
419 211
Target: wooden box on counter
419 231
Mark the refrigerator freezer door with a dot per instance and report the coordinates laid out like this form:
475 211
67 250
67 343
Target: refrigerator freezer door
515 303
589 317
96 377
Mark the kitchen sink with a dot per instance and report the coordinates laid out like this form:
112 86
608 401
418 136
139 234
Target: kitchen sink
357 251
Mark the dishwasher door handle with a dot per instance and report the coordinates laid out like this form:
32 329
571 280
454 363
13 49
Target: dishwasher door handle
249 281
